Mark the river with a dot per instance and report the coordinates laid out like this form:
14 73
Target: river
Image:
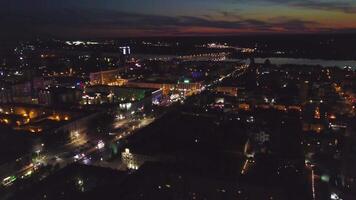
305 61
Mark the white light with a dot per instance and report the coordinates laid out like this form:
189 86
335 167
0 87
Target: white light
334 196
100 145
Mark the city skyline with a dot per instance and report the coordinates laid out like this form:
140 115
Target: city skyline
125 18
168 99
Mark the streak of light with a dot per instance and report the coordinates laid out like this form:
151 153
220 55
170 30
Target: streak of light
244 167
313 184
246 146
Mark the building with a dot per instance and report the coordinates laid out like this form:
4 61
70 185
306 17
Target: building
128 98
59 96
231 91
134 161
25 92
188 88
5 95
125 50
108 77
39 119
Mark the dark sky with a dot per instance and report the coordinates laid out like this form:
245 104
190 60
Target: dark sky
123 18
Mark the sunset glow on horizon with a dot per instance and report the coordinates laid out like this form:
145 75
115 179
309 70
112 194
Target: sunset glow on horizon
109 18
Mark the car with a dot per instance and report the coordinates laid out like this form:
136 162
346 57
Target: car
8 181
79 156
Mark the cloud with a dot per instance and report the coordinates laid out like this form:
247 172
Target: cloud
338 6
80 22
72 22
327 5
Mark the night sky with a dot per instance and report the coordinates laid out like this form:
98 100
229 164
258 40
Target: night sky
122 18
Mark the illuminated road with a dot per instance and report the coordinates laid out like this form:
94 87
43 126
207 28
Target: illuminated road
59 155
249 158
81 147
313 183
